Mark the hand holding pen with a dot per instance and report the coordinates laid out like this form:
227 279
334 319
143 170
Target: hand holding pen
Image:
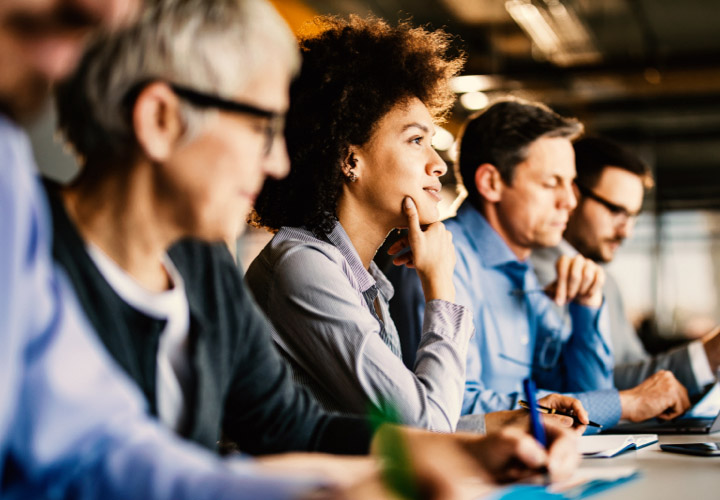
536 427
567 406
512 454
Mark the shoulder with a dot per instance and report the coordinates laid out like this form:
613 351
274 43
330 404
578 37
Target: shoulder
197 256
209 272
295 255
20 198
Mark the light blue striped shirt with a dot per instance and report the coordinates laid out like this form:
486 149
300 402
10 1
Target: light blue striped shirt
320 297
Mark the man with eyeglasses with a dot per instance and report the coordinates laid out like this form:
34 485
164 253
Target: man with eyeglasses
517 164
610 186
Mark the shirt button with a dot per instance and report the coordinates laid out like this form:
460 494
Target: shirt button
524 340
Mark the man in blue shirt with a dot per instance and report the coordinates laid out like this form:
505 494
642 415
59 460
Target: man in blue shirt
516 161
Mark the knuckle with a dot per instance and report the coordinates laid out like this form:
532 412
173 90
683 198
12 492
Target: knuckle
576 274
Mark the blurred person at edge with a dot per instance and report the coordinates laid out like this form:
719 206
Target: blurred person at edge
610 186
71 426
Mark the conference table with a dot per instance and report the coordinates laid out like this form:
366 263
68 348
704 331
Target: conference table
664 475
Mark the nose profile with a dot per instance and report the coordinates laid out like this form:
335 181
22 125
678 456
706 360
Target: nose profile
568 199
277 162
436 166
624 228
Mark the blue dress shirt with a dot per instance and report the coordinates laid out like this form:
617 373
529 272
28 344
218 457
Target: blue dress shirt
520 332
71 426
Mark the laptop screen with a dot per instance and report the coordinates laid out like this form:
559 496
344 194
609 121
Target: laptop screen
708 406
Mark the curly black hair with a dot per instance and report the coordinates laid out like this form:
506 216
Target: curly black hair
354 71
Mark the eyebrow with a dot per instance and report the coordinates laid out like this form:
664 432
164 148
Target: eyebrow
59 19
416 125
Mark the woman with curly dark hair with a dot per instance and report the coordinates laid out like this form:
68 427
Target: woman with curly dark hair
359 131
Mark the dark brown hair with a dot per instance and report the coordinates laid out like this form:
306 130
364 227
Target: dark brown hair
501 136
593 154
354 71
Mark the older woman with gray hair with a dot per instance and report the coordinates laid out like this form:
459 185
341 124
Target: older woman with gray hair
178 122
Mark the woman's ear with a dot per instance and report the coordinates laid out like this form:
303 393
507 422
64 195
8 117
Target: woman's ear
488 182
351 165
156 121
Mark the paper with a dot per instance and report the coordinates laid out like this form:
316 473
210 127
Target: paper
608 446
589 481
584 483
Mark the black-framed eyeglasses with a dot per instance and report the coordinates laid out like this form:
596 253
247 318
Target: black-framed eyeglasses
620 213
274 125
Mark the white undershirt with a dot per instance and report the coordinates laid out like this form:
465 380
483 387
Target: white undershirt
173 363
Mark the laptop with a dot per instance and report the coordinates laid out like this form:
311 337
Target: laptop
702 418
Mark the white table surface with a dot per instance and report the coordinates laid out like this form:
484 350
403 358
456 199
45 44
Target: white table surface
665 475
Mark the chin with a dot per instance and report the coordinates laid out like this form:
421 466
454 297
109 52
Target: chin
605 257
428 215
550 240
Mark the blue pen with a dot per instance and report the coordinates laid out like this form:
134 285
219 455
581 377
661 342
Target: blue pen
536 427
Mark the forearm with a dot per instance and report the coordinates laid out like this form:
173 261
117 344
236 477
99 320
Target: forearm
442 354
587 354
603 407
678 361
85 431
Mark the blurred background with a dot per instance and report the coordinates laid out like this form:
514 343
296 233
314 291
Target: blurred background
643 72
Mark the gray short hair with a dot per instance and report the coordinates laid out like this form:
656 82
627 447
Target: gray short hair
210 45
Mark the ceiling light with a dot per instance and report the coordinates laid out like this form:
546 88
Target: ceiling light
555 29
442 140
472 83
474 101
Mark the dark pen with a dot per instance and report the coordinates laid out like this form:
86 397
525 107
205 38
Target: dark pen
552 411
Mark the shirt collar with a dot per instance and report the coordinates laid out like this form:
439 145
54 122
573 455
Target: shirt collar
491 248
567 249
364 278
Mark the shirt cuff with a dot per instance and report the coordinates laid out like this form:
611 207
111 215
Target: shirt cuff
700 364
472 423
449 320
603 407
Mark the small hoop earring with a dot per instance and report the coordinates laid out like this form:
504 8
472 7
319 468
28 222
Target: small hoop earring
352 176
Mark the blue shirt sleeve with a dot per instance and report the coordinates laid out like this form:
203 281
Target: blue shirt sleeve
70 423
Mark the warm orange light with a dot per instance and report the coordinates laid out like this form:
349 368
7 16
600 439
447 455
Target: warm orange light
296 13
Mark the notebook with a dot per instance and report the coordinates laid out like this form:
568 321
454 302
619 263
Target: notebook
599 446
702 418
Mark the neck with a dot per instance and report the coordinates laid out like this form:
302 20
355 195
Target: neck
497 222
120 215
569 234
365 230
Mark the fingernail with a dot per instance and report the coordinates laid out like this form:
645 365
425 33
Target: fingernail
407 203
